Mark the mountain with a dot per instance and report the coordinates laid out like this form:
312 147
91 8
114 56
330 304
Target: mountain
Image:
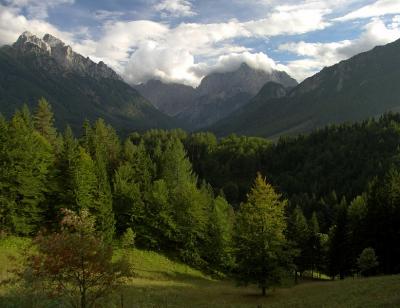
77 87
217 96
170 98
366 85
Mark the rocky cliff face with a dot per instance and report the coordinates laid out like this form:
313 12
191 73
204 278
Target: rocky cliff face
63 55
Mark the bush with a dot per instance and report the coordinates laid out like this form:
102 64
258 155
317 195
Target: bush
367 262
128 238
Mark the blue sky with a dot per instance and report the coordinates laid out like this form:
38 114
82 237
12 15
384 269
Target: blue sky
183 40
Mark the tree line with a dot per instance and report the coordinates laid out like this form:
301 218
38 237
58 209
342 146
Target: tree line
330 201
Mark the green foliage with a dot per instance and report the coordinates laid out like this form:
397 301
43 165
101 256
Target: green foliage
298 234
75 262
44 121
260 244
367 261
26 160
220 231
128 238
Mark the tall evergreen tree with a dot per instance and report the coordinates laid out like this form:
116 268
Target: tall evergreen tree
314 244
220 231
339 250
44 121
260 244
298 235
27 160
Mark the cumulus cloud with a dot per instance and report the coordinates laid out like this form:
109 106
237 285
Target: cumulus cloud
318 55
376 9
171 56
175 8
142 49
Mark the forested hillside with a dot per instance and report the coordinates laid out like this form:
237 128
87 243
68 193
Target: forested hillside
327 198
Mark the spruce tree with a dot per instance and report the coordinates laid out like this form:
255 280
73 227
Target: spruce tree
220 231
298 235
44 121
128 203
314 244
27 160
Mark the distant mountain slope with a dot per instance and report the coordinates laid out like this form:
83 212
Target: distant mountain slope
366 85
170 98
218 95
76 87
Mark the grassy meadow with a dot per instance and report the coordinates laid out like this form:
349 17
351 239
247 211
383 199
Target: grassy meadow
161 282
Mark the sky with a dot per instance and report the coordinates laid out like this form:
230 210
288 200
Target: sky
184 40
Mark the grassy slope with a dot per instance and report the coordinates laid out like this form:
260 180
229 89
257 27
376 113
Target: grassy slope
161 282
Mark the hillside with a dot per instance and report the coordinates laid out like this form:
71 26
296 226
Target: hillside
352 90
76 87
161 282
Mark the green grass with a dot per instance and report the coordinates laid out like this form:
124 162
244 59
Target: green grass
161 282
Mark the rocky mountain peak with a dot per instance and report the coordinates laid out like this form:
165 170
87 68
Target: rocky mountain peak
29 42
63 54
53 41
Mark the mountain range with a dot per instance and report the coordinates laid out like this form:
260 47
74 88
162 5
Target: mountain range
218 95
366 85
77 87
245 101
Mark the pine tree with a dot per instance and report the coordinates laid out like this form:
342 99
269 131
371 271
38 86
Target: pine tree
176 168
27 160
128 204
84 181
339 250
189 203
260 244
103 202
44 121
298 234
314 244
160 218
220 230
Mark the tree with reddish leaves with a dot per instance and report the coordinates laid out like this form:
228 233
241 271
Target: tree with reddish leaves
74 263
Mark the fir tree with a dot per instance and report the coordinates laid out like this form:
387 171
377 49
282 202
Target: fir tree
44 121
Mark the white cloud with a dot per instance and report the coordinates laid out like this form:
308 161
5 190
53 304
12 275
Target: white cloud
175 8
143 49
291 19
13 24
378 8
36 8
318 55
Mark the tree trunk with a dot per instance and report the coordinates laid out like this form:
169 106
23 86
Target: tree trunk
83 299
264 291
